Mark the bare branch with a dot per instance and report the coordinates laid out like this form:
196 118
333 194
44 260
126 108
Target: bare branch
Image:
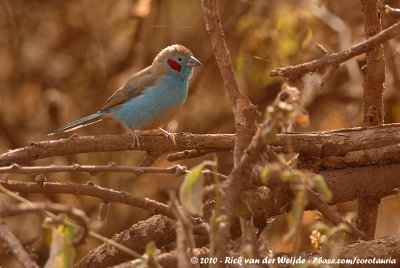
373 107
359 146
187 154
244 111
184 235
313 198
294 72
76 214
92 170
383 248
15 247
90 190
105 143
158 228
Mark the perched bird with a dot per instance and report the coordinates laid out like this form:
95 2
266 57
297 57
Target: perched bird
149 98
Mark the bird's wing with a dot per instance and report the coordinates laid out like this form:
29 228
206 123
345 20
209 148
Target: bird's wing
132 88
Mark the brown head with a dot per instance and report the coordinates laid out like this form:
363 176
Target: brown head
175 59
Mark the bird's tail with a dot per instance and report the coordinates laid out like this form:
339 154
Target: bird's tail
85 121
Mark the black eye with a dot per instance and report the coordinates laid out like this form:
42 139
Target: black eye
179 59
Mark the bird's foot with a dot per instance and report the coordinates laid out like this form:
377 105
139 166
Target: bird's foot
169 135
135 136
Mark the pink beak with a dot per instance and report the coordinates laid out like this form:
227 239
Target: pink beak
193 62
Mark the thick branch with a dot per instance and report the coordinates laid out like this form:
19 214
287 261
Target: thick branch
294 72
373 107
105 143
346 184
375 73
244 111
359 146
382 248
159 229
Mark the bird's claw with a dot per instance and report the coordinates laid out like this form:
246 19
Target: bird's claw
135 136
169 135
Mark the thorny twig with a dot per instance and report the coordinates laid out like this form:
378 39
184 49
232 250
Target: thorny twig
294 72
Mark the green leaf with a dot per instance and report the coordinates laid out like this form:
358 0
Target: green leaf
295 216
62 251
288 175
322 188
242 209
191 191
151 249
271 170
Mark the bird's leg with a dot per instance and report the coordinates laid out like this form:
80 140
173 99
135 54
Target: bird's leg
167 134
135 136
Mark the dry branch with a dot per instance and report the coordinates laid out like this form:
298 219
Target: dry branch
15 247
383 248
244 111
89 190
373 107
294 72
76 214
93 170
105 143
382 252
351 147
159 229
345 184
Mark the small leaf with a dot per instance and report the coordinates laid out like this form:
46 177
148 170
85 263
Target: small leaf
271 170
322 188
343 228
242 209
295 216
191 191
151 248
62 251
294 175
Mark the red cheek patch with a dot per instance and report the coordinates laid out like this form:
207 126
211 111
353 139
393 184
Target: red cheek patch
174 65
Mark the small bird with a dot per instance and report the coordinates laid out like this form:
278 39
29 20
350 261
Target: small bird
149 98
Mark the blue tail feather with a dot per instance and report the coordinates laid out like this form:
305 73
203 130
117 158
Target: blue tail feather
88 120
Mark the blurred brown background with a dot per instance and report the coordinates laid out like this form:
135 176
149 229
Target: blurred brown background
60 60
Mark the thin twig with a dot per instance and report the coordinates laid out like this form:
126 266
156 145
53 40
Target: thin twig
54 217
178 170
187 154
150 158
90 190
15 247
294 72
316 202
184 235
76 214
92 170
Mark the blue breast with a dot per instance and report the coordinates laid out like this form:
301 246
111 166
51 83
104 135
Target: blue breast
153 103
